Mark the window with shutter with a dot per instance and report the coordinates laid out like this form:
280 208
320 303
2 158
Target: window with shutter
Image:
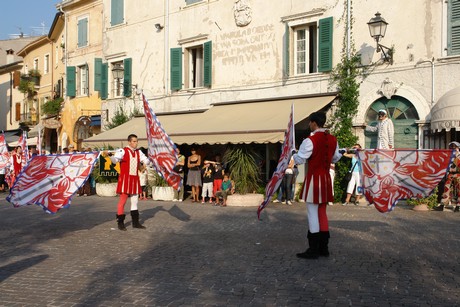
325 44
97 74
453 27
82 32
207 77
71 81
117 12
127 79
176 69
104 81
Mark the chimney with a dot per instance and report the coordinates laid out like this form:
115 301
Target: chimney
9 56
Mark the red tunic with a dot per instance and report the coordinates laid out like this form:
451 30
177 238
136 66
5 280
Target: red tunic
317 186
128 180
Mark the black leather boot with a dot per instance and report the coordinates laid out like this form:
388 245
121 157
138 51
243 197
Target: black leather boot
313 250
323 242
135 218
457 209
121 222
439 208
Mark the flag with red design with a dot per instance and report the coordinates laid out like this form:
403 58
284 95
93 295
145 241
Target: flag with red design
161 149
51 180
25 149
4 155
392 175
283 162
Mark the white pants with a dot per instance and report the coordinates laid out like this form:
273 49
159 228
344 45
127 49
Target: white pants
355 180
207 187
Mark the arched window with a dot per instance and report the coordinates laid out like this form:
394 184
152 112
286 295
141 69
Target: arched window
403 114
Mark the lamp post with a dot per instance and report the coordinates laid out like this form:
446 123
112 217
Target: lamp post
118 72
377 29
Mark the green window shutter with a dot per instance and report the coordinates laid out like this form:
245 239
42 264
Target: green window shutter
188 2
287 40
453 28
97 74
83 32
176 68
325 44
71 74
127 79
104 81
207 78
116 12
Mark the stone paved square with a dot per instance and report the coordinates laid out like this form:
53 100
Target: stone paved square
200 255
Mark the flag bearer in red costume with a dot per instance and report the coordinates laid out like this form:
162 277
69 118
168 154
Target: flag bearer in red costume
17 163
320 149
128 180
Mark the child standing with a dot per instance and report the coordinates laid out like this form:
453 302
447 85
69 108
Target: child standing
143 181
208 177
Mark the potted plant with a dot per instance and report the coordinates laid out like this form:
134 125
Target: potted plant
160 189
245 174
34 76
424 203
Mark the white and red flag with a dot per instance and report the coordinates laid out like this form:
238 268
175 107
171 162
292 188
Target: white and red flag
392 175
25 148
51 180
4 155
283 162
162 152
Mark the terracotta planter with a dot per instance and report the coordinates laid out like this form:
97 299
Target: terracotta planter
162 193
421 207
106 189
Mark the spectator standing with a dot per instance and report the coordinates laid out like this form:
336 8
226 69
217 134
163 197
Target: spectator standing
320 149
143 181
208 179
452 184
218 175
194 174
385 131
179 168
16 163
355 180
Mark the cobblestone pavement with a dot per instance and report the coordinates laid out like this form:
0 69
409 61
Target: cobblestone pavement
193 254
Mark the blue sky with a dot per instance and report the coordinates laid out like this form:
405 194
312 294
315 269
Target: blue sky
26 16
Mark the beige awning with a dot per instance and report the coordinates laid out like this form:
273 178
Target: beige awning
446 112
250 122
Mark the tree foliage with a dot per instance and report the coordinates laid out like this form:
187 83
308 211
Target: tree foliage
119 118
52 107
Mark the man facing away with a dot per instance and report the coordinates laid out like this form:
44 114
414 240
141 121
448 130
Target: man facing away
385 131
320 149
128 180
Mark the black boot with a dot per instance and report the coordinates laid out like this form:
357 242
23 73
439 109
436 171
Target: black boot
457 209
121 222
135 218
323 242
313 250
439 208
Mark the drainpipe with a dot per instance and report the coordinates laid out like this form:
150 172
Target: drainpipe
66 47
348 29
166 36
11 98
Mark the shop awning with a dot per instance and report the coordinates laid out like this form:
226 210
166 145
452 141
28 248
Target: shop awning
249 122
30 142
446 112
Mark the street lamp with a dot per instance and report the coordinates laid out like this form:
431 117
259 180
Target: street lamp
377 29
118 71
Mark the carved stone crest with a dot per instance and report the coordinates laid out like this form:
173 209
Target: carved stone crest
242 13
388 88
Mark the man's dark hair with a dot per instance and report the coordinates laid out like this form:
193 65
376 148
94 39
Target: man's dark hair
131 136
319 118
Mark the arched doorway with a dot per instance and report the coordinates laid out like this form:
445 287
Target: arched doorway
402 113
